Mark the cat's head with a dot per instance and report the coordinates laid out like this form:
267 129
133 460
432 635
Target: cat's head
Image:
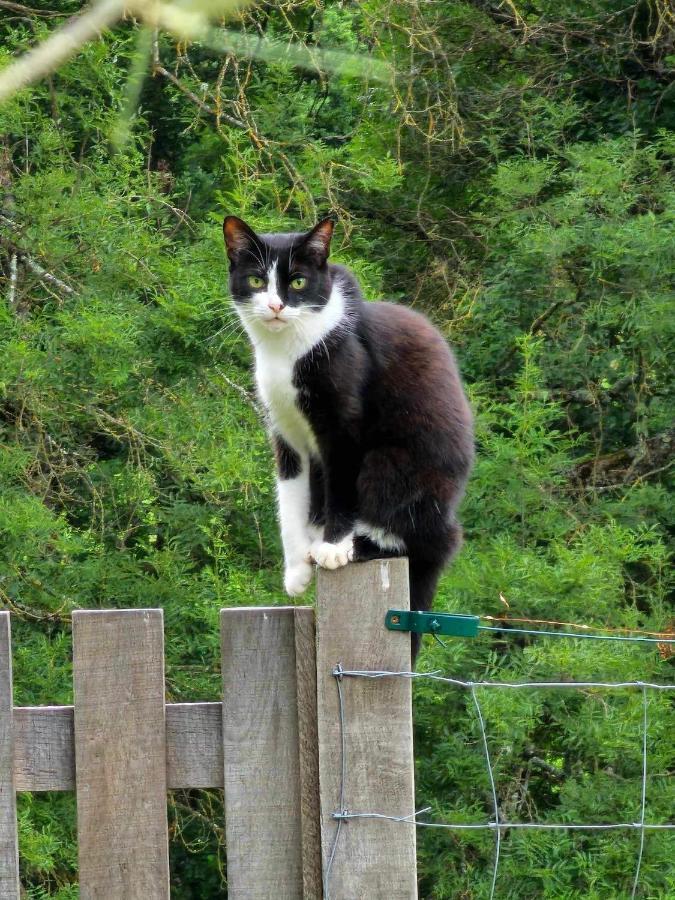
278 279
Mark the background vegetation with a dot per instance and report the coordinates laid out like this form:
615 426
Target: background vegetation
514 181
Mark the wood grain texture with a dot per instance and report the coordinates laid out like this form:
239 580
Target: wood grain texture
194 745
120 754
9 853
308 750
44 748
373 859
263 820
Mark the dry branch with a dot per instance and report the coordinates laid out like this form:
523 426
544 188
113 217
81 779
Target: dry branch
650 456
18 254
29 11
58 48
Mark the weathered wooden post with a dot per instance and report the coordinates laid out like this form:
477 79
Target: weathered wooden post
371 858
9 855
269 753
120 754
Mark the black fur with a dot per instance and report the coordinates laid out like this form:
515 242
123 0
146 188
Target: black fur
288 461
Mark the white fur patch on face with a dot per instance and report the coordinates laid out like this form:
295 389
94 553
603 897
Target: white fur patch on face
384 539
263 302
299 328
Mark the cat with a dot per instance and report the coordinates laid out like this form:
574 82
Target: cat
371 429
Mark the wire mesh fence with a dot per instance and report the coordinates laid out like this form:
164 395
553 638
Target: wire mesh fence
497 823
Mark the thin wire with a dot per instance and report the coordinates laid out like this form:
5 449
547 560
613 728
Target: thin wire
410 818
498 832
337 672
567 634
501 825
497 825
665 634
434 676
644 791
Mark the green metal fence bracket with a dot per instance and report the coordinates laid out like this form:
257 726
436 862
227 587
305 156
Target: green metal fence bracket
432 623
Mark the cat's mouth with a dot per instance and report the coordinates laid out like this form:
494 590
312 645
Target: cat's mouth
275 323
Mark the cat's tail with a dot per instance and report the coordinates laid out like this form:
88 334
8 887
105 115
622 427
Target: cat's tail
423 581
424 575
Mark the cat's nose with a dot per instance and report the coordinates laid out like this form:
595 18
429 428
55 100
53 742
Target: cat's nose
275 305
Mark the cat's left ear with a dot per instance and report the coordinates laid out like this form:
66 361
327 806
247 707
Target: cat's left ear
239 237
317 241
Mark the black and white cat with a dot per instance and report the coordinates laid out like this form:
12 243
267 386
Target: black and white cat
371 428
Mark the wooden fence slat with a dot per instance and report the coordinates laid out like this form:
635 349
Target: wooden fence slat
194 745
308 743
263 818
120 754
373 858
9 853
44 748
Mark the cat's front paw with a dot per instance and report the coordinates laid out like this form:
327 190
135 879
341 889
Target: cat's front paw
333 556
297 578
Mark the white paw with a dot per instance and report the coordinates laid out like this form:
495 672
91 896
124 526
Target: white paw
297 578
332 556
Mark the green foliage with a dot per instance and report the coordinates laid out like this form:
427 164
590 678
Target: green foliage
513 181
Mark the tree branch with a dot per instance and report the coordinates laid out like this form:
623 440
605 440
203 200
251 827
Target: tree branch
644 459
28 11
32 264
47 56
160 70
13 277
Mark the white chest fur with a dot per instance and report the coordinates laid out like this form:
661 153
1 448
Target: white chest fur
274 376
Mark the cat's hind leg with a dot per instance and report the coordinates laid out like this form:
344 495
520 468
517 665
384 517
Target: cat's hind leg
366 549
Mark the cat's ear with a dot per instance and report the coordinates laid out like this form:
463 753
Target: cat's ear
239 237
317 241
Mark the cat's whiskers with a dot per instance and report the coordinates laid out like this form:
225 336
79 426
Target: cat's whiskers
257 255
301 332
290 258
233 332
231 322
309 346
223 330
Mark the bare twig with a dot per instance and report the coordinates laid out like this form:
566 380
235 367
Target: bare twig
248 397
13 277
160 70
28 11
47 56
31 263
47 276
650 456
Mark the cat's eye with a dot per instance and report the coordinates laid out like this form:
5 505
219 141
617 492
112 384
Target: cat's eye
255 281
298 283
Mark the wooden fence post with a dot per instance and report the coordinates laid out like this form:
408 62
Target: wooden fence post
370 858
268 760
120 754
9 854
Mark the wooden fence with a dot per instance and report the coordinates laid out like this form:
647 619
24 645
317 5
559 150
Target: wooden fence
274 744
